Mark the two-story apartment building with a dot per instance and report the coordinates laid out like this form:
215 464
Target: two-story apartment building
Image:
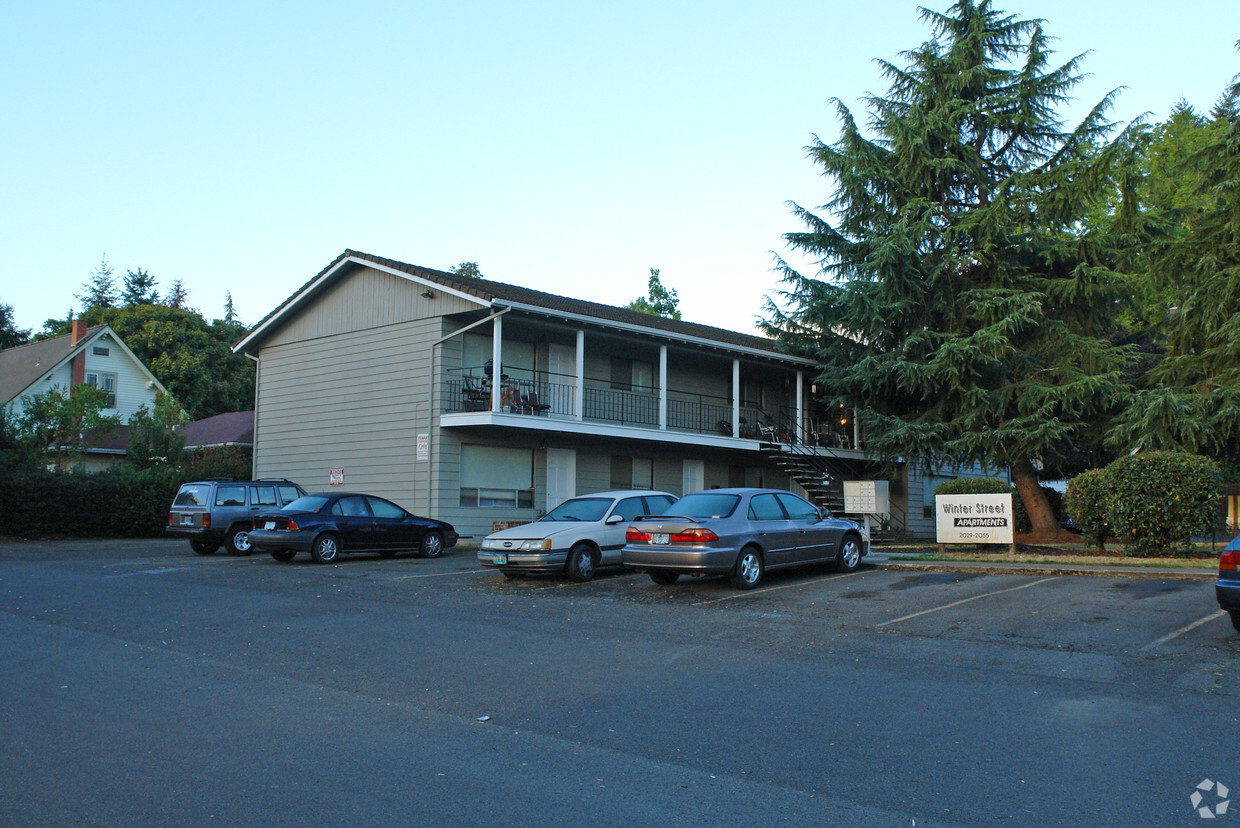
479 402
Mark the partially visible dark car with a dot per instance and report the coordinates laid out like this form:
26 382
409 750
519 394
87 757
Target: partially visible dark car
328 524
1227 589
211 513
740 533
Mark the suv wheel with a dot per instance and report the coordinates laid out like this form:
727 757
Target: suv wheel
239 541
204 547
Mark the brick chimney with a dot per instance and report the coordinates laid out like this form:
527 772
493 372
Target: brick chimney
77 373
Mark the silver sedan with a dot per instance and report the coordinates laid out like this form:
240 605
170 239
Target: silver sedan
741 533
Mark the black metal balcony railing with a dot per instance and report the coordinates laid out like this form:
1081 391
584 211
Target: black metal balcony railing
555 395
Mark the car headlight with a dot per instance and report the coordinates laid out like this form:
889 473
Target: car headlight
536 545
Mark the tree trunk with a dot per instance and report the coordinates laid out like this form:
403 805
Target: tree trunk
1042 518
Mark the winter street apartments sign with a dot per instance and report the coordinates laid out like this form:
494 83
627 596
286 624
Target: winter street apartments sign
974 518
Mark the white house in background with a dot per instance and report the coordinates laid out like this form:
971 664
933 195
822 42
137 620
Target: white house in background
483 403
93 356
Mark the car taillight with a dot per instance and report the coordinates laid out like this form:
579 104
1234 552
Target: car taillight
170 516
206 521
1228 562
695 535
633 535
292 525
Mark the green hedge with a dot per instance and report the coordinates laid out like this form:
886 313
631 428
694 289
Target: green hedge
1085 502
121 502
1158 499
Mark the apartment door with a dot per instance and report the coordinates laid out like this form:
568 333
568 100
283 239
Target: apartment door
694 477
561 476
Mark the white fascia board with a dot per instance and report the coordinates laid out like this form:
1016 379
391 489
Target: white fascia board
657 333
125 348
526 422
314 286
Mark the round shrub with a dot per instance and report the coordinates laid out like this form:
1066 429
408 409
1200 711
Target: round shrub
988 485
1084 502
1158 499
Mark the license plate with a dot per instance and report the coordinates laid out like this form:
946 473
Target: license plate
271 524
499 558
661 538
187 520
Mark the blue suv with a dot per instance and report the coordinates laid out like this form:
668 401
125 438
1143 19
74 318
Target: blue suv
211 513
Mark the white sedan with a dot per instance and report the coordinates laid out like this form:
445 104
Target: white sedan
576 537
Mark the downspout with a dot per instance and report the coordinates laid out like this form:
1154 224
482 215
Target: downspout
254 449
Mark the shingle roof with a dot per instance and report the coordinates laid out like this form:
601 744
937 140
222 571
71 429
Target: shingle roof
24 365
235 428
488 291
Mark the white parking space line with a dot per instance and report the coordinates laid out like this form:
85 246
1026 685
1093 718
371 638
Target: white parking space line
965 601
1184 629
441 574
752 592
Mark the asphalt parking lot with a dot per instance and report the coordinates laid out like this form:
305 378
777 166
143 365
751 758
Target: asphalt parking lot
392 691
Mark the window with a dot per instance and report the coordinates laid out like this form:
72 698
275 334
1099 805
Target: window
289 493
797 508
632 472
263 496
350 507
230 496
658 504
105 383
765 507
193 494
630 508
497 476
631 375
100 350
384 509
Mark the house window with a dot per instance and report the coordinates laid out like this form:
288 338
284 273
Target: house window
105 383
100 350
497 476
632 472
631 375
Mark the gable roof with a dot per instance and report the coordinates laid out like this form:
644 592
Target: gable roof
231 429
488 293
25 365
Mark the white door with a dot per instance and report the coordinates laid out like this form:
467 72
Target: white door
561 476
694 479
562 385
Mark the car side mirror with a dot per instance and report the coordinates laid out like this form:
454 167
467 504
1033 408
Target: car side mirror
614 519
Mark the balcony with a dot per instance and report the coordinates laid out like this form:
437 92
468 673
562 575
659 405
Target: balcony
549 398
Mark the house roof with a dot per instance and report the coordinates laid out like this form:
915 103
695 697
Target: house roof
491 293
23 366
232 429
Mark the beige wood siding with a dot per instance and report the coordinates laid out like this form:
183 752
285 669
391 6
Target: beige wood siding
363 299
355 401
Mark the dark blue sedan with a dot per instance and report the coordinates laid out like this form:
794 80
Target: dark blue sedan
328 524
1228 587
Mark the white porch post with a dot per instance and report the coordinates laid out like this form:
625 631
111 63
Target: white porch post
663 387
736 398
581 374
856 430
800 435
497 368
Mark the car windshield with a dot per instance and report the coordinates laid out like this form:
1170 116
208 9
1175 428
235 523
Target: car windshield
704 505
309 503
581 508
193 494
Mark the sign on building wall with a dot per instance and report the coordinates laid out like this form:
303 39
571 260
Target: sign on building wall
974 518
335 477
424 447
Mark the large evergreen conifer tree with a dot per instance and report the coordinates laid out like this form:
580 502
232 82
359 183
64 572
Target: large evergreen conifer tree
961 304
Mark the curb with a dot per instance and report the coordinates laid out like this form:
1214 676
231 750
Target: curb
881 561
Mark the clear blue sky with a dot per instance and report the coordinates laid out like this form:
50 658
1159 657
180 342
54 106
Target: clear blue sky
564 146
